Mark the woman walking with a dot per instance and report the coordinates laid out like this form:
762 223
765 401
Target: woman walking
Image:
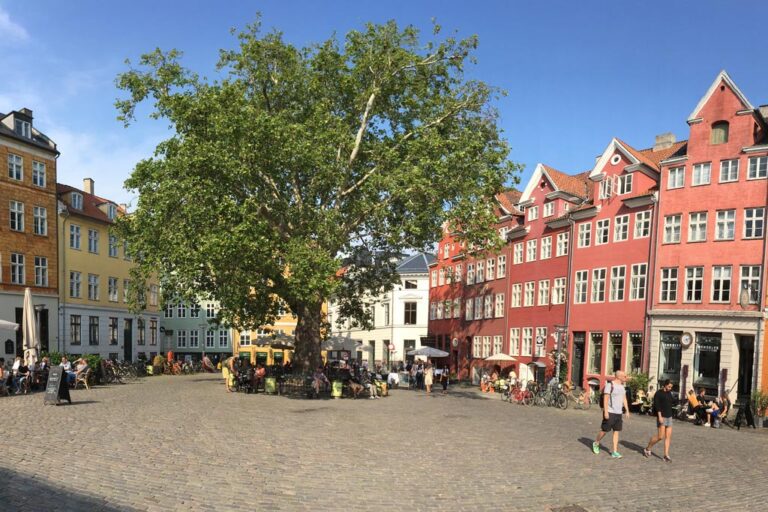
662 403
428 377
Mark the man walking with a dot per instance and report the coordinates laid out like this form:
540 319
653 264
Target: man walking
614 402
662 403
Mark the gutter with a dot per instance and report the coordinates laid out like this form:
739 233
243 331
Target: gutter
646 362
571 248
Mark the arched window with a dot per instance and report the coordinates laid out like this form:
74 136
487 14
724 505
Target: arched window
719 132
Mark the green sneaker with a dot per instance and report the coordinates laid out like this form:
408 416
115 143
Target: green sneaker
595 448
616 455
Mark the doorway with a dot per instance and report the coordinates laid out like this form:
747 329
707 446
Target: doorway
577 365
746 363
128 340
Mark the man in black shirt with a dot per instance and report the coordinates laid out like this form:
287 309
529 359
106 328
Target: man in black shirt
662 404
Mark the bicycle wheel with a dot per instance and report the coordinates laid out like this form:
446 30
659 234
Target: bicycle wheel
526 399
561 401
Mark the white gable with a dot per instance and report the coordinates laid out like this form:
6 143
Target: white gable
614 146
721 77
538 174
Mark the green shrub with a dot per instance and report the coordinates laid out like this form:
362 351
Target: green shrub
638 381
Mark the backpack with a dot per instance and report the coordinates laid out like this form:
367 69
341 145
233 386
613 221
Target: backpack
600 401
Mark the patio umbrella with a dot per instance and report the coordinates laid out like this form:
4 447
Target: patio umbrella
279 342
31 343
428 352
11 326
500 357
341 343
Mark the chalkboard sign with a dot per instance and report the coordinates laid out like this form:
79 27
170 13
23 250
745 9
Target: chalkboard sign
57 388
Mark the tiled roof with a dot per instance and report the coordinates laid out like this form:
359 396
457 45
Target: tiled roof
578 184
652 158
508 199
91 204
38 139
415 264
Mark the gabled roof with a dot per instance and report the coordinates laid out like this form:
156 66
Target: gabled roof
647 157
676 149
575 185
38 139
508 199
91 204
722 77
415 264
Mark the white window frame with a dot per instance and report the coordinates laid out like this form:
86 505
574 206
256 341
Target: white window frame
549 209
499 305
598 285
673 228
702 174
725 225
501 270
488 306
721 274
16 216
15 167
546 248
479 307
479 271
580 288
562 244
697 227
758 168
529 294
40 220
517 253
38 174
621 228
602 231
470 273
585 234
543 294
18 268
517 295
750 278
490 269
729 170
694 275
533 213
638 281
676 178
642 224
469 310
558 290
514 341
541 351
618 283
668 285
623 184
530 250
754 220
527 340
41 271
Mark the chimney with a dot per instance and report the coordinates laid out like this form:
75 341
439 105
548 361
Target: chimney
27 112
664 141
124 207
763 111
88 185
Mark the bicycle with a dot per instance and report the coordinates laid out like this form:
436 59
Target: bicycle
552 396
580 399
519 395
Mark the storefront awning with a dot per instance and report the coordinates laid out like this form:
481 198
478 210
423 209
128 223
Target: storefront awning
538 363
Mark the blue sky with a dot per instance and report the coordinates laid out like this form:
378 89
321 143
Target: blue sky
576 73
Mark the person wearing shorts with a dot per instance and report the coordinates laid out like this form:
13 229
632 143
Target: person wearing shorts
662 404
614 406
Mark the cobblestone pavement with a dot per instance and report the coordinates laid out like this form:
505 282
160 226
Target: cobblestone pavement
182 443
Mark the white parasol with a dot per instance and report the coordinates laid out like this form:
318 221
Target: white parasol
427 351
11 326
500 357
31 343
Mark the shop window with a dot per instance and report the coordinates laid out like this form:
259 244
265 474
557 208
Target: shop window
635 356
670 356
595 352
706 364
614 352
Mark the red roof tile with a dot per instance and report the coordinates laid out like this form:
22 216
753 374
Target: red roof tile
577 185
508 199
91 204
652 158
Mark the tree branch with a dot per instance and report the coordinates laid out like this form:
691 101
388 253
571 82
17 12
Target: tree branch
363 126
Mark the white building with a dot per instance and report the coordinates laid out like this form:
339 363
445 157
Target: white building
399 316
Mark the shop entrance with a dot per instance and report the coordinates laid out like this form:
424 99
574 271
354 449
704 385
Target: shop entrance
577 365
746 362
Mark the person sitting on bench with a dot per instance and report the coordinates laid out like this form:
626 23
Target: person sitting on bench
696 408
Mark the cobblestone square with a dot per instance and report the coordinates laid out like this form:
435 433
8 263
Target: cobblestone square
182 443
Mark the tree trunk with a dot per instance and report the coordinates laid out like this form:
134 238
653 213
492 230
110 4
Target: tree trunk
306 356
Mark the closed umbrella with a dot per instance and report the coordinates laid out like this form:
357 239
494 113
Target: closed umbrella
31 343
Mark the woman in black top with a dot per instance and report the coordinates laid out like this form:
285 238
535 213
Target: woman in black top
662 404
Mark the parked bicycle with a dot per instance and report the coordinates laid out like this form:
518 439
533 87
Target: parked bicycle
579 398
519 395
551 396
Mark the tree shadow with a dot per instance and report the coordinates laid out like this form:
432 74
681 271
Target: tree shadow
468 394
24 493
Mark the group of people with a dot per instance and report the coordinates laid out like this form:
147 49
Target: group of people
422 375
234 367
707 412
22 376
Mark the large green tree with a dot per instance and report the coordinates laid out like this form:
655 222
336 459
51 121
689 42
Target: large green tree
298 162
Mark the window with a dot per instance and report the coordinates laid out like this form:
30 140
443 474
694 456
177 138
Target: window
643 224
527 341
41 271
676 178
602 228
181 310
562 244
112 289
140 329
726 225
448 307
477 346
169 311
606 188
446 251
499 311
410 313
533 213
468 310
613 359
517 256
210 311
40 220
210 339
126 287
181 338
501 271
719 134
434 278
488 306
637 281
668 285
490 268
194 338
549 209
470 273
111 211
93 287
624 184
440 277
438 310
558 291
546 248
223 338
126 251
17 268
194 310
721 284
432 311
74 284
23 128
697 227
598 285
386 313
38 174
479 307
517 294
15 167
153 295
618 277
74 329
701 174
543 292
541 341
530 289
635 356
672 229
585 234
758 167
457 273
580 290
480 272
77 200
93 330
456 308
113 330
514 341
530 250
93 241
595 352
17 216
621 228
503 233
706 363
729 170
153 331
750 281
694 283
754 221
74 236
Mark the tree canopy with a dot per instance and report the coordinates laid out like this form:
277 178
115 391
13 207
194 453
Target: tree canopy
296 163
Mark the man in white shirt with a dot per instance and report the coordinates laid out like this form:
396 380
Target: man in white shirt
614 400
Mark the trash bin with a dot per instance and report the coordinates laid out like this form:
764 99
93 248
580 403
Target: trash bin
270 385
336 389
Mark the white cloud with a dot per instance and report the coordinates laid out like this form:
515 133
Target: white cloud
10 31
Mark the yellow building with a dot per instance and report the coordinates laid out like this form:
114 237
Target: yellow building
94 279
263 345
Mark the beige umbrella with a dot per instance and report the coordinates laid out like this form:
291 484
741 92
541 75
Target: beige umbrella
31 343
11 326
500 357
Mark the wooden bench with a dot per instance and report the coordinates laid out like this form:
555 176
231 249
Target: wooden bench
84 379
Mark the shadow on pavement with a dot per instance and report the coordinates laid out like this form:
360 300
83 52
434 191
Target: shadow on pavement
23 493
83 402
469 394
586 442
632 446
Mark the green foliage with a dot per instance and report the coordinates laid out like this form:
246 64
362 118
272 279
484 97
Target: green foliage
297 162
638 381
760 399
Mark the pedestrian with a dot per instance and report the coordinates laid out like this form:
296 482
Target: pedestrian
444 379
428 377
662 404
614 401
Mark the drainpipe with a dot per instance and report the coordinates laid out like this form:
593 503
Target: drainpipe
761 308
646 362
60 345
571 247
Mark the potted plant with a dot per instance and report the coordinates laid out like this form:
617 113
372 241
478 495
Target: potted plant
760 401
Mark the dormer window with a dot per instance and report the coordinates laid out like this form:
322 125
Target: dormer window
111 211
77 200
23 128
719 133
533 213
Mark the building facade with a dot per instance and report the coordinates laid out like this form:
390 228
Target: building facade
28 251
192 330
94 316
